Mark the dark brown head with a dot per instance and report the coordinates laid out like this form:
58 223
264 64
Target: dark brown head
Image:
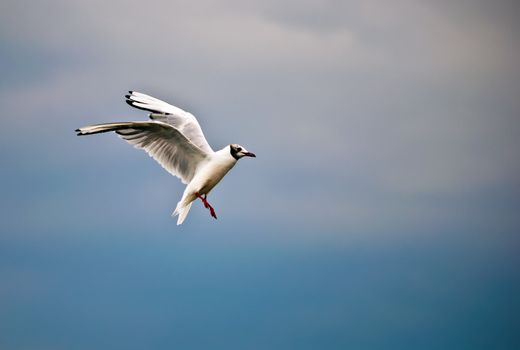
238 151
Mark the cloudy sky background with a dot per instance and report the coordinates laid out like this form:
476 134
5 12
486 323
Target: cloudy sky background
381 212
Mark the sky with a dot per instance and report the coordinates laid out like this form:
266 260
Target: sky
381 211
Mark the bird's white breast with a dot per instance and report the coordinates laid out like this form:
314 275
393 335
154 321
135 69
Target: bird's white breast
211 172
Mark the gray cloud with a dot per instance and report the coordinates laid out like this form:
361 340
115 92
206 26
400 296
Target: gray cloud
402 98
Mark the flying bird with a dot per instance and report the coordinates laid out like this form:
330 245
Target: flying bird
173 138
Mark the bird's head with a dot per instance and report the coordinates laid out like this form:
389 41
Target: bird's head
238 151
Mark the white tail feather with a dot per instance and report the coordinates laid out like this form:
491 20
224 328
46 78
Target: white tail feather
182 210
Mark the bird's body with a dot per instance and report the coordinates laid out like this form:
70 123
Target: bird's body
175 140
211 171
208 176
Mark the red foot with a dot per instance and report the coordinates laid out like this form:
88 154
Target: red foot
207 205
212 212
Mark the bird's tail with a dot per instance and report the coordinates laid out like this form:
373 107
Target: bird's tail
182 210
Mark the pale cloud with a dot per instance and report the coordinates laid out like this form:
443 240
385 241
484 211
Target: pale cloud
408 98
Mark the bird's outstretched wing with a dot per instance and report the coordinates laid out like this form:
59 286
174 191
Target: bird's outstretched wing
163 142
183 121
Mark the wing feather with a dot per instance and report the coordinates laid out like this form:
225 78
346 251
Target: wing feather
183 121
163 142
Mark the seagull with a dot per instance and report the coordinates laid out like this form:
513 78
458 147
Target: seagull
173 138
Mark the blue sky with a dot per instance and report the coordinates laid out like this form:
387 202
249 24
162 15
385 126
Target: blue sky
381 212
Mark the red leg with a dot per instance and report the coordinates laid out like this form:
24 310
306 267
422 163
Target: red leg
203 199
207 205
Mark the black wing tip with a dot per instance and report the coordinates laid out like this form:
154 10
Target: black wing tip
131 103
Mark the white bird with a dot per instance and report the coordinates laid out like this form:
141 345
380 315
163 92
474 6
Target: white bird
175 140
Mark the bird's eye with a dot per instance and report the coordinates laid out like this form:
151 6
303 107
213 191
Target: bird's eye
239 149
